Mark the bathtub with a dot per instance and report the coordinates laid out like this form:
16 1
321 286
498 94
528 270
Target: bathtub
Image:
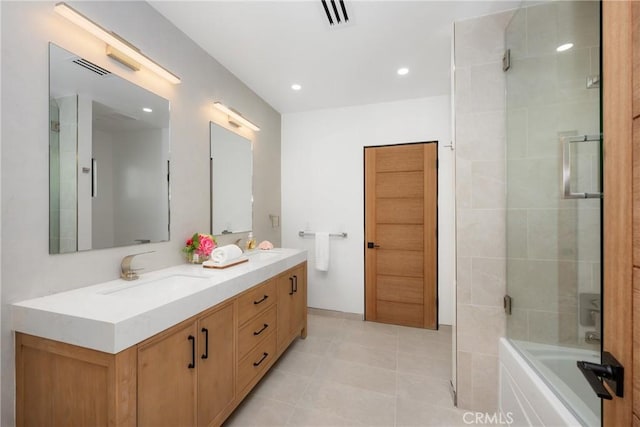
526 397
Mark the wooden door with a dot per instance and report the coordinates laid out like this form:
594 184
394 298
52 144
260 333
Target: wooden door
621 289
216 368
401 234
167 378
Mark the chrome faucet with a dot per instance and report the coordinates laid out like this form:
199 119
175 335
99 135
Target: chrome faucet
128 273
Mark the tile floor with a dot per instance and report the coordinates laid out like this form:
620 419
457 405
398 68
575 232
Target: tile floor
353 373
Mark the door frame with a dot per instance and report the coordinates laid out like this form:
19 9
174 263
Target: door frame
364 211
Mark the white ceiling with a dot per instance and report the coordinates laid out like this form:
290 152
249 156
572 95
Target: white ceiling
270 45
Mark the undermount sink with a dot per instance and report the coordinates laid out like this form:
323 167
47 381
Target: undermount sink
177 283
261 255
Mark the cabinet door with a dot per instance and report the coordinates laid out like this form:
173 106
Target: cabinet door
167 378
216 369
298 323
286 294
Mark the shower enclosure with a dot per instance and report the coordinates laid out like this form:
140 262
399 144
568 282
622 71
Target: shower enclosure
554 200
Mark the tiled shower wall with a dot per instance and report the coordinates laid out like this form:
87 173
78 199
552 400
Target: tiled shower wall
480 205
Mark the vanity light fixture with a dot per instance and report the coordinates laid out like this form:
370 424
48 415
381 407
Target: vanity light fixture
235 118
117 48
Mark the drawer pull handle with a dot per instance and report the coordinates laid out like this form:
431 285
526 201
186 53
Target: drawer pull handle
295 287
261 330
264 298
193 352
292 290
264 356
205 331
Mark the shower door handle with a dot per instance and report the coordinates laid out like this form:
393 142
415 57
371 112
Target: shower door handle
611 371
566 167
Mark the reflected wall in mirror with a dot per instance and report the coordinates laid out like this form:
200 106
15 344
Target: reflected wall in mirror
231 181
108 158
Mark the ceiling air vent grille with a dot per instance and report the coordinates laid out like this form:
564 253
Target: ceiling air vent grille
335 17
91 67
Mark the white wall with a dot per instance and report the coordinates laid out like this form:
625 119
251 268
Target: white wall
27 268
323 189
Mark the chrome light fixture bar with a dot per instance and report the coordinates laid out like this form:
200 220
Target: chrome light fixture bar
236 116
116 46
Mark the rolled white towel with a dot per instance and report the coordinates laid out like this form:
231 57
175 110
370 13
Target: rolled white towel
224 254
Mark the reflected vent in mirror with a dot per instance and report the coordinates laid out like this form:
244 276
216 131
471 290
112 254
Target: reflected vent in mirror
91 67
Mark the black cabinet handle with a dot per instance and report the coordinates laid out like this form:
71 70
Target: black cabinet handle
261 330
264 298
264 356
291 279
205 331
372 245
193 352
295 280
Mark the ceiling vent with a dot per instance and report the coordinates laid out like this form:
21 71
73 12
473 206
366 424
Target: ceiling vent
334 13
91 67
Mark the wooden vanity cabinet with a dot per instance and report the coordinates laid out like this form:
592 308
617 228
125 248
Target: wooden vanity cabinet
192 374
166 381
59 384
292 306
188 372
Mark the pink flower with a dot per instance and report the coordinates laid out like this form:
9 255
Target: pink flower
206 245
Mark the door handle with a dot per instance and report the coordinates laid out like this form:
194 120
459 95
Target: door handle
291 280
611 371
295 283
567 193
372 245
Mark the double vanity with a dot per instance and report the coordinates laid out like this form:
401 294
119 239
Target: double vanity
179 346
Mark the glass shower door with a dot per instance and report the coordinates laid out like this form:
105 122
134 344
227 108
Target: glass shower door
553 195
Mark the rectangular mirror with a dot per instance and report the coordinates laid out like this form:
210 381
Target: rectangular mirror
108 158
231 182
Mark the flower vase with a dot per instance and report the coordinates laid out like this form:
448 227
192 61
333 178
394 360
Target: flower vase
195 258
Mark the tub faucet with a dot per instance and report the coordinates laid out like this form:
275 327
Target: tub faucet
128 273
592 337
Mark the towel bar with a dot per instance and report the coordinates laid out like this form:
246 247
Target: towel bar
311 233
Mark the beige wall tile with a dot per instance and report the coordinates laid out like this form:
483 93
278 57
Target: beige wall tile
479 328
464 392
488 285
488 184
463 280
481 40
485 382
481 233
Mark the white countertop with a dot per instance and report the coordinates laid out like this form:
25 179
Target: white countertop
115 315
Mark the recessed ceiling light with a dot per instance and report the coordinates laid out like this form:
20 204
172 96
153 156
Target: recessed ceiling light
403 71
296 86
564 47
147 110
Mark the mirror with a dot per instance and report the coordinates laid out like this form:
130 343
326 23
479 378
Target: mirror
108 158
231 181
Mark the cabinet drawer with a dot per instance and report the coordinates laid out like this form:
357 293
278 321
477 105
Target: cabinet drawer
256 300
257 361
255 330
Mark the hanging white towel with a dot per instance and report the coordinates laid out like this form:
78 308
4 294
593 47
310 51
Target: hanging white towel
322 251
